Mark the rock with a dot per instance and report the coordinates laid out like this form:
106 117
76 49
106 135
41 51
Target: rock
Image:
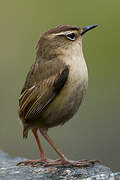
9 171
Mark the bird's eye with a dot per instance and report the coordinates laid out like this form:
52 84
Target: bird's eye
71 36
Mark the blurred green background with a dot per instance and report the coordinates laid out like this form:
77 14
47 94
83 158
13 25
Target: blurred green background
95 130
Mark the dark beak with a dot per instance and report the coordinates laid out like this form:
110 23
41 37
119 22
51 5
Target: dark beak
87 28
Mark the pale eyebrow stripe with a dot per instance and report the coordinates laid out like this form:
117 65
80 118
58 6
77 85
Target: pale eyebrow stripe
63 33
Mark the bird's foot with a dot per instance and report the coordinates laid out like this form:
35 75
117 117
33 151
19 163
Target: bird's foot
59 162
80 163
41 162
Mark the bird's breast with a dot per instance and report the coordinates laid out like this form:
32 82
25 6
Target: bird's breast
70 97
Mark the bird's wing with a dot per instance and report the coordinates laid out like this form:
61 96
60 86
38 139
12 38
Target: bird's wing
36 98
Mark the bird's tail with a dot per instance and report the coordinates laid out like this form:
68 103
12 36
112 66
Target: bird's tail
25 132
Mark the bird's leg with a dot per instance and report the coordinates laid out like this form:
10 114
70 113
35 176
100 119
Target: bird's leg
43 158
63 160
44 161
45 135
42 154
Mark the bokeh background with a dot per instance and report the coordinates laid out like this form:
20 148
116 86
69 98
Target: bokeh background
94 132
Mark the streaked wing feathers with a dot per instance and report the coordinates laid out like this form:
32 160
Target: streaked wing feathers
33 100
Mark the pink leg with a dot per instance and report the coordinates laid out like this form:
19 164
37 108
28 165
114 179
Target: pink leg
43 158
42 154
44 133
47 162
63 160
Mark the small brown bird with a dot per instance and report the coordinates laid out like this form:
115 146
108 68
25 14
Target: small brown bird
54 87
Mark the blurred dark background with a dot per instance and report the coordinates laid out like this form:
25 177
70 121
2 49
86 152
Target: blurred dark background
94 131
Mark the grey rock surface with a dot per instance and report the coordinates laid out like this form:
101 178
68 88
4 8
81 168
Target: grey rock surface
9 171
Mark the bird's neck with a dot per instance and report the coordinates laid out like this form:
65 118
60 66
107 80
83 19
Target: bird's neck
77 66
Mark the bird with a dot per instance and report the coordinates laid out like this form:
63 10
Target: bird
54 88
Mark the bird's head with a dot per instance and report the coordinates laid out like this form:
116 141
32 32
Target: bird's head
60 38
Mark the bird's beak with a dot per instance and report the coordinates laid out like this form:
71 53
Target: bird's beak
87 28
